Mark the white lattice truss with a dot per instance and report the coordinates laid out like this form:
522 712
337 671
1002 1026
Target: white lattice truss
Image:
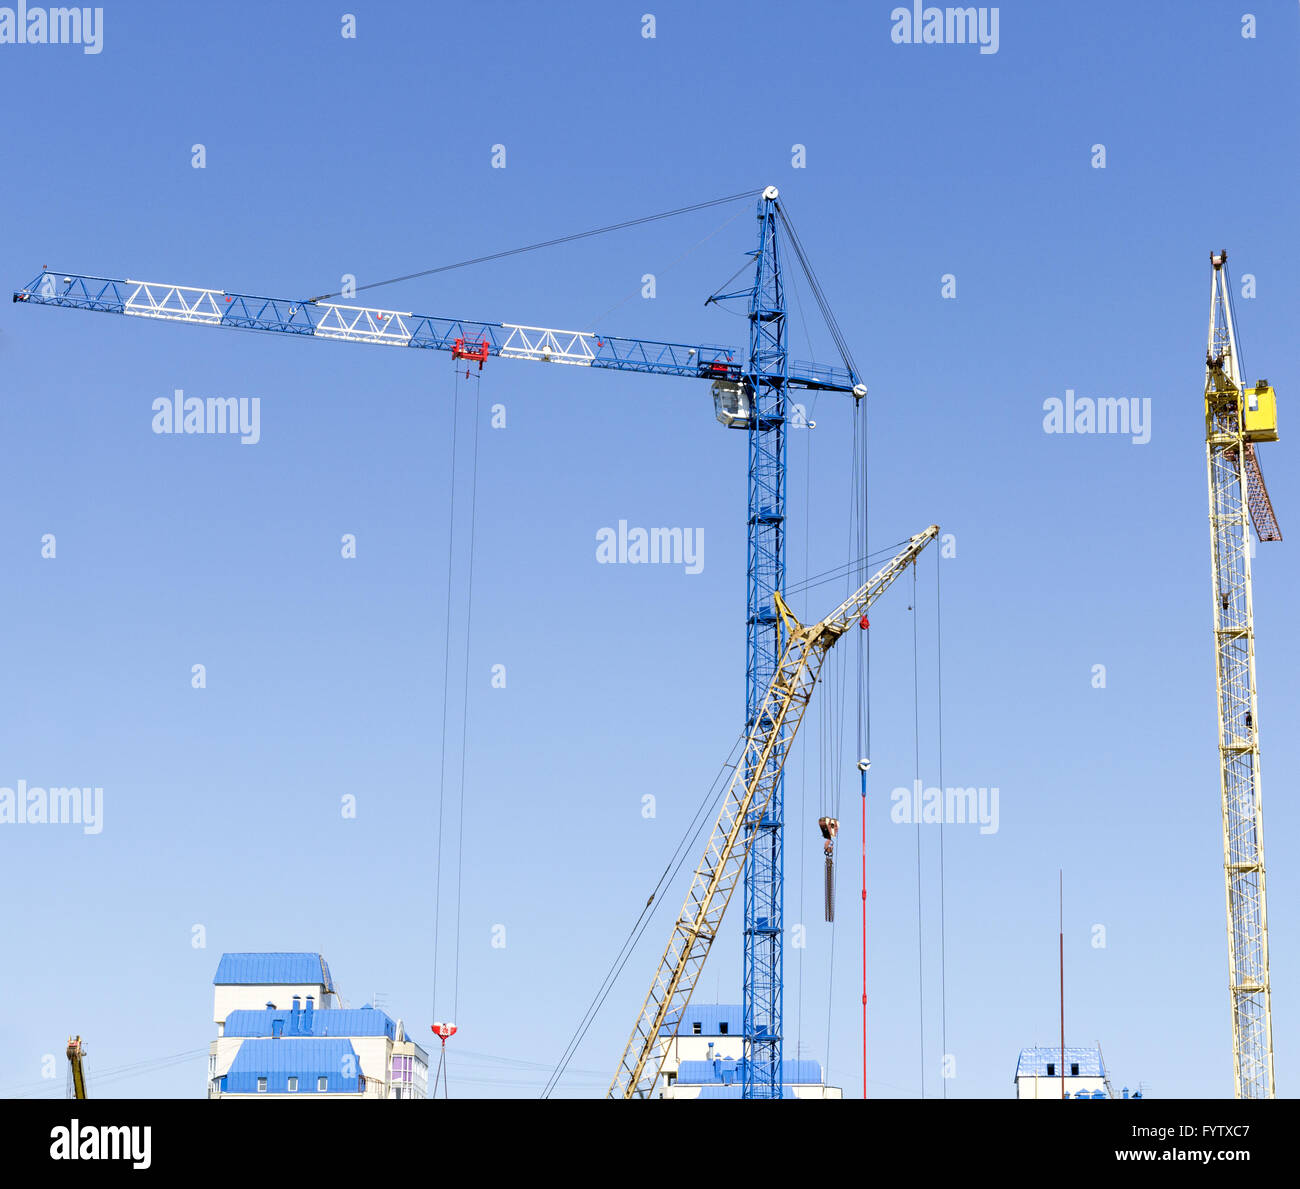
175 303
549 346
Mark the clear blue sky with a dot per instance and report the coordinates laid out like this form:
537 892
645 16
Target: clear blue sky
372 156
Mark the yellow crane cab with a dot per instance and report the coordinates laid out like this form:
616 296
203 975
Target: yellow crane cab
1259 415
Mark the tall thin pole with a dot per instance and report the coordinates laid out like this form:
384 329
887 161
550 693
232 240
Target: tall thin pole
1060 904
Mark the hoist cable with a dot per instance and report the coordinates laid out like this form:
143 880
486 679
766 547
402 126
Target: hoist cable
860 506
464 722
548 243
446 676
668 267
943 932
639 926
819 295
845 570
916 736
685 846
830 1016
803 751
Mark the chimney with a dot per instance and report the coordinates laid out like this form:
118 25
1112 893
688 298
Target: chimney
295 1017
307 1015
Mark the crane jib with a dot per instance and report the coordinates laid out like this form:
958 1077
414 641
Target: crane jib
401 328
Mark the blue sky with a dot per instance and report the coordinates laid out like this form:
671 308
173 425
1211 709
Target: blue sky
372 156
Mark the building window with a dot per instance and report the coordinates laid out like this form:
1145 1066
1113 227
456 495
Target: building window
1074 1069
1051 1070
261 1085
695 1028
722 1028
322 1084
293 1085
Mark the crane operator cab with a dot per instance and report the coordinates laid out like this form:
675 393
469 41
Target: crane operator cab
1260 413
731 403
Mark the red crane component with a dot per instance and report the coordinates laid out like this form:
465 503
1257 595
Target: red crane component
443 1032
465 349
1257 498
864 623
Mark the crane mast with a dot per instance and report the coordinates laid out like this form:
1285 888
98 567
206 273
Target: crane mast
763 997
756 779
1236 417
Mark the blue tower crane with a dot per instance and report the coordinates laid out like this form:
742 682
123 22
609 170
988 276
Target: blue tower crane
749 395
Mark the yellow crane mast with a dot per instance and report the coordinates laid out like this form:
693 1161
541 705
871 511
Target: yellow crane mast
744 804
1237 416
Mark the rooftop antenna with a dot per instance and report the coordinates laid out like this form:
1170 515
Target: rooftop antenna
1060 908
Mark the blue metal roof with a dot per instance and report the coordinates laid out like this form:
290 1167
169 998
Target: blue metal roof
726 1071
710 1017
306 1058
1034 1062
273 969
359 1021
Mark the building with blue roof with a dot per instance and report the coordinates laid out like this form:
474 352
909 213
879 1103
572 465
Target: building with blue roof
300 1065
705 1058
283 1030
250 981
1077 1071
273 970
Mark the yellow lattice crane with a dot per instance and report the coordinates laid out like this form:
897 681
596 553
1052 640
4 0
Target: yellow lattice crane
1237 416
766 747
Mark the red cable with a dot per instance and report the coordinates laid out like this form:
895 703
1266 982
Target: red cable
864 935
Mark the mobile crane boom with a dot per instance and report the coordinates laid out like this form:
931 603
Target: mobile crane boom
76 1068
745 803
